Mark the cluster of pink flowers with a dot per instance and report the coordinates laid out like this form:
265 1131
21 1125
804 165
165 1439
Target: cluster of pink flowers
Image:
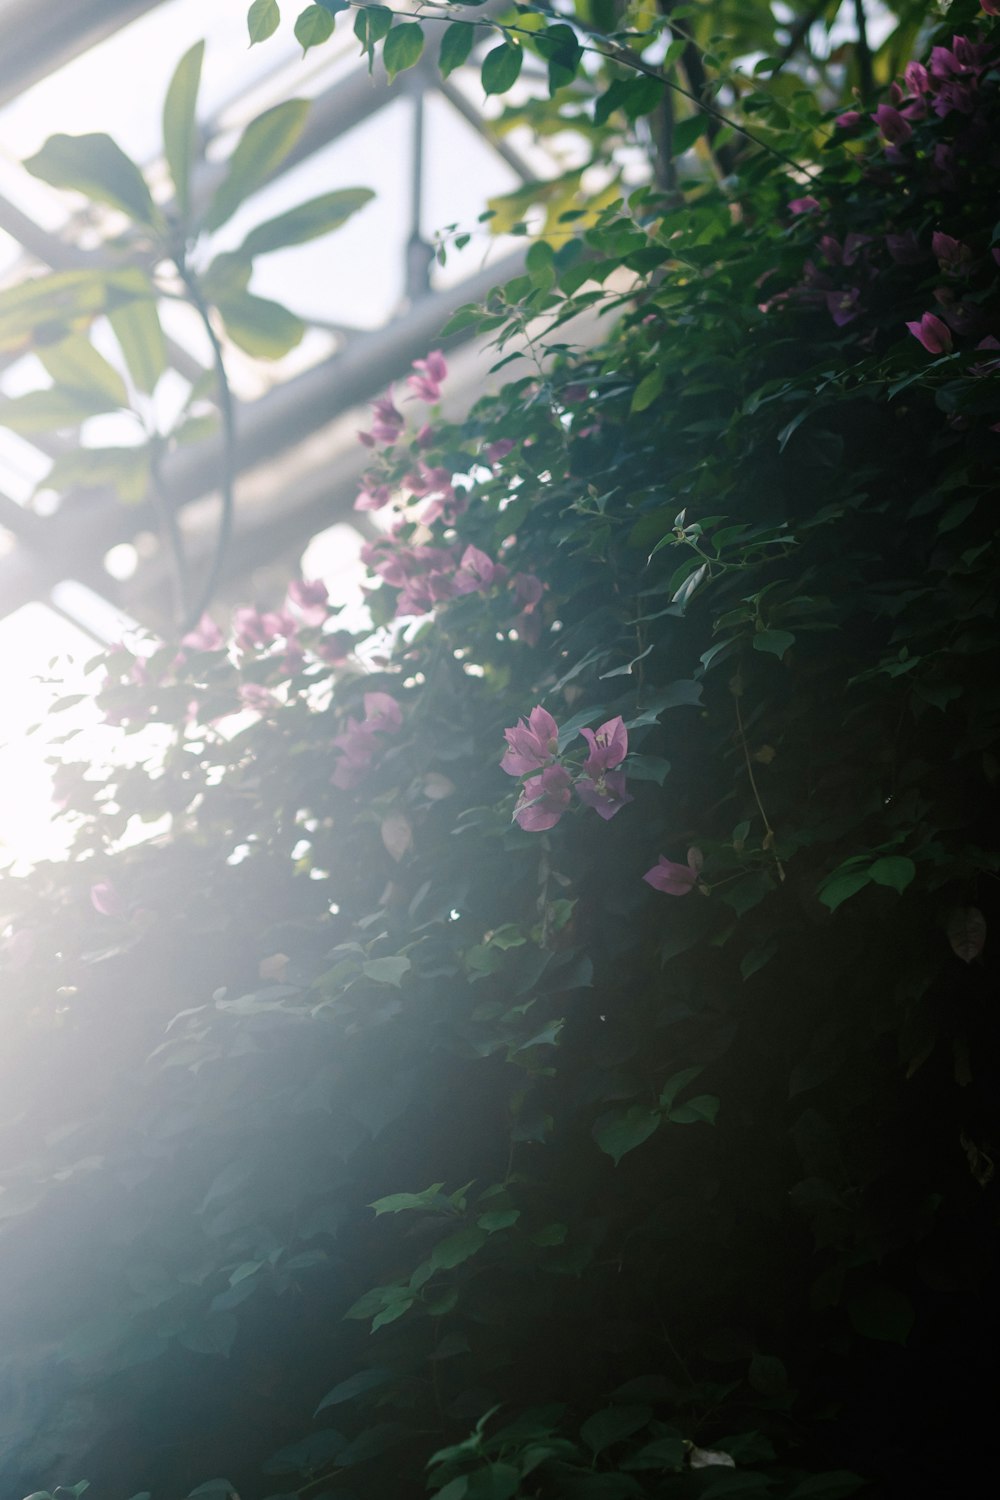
533 747
425 384
358 743
428 575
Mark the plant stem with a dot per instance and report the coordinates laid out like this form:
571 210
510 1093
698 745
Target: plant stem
224 398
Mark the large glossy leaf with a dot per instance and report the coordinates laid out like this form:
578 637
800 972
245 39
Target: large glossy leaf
96 166
403 47
65 300
53 410
125 470
138 331
74 362
501 67
313 27
306 222
456 44
180 125
261 148
262 20
259 327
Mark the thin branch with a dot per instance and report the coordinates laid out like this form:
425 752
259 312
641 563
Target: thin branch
613 52
866 77
769 831
224 397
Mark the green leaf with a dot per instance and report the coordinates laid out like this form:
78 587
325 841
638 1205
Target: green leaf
881 1312
397 1203
840 888
613 1425
894 870
501 68
259 327
674 1085
456 44
313 27
53 410
310 1452
768 1375
562 51
775 642
262 20
180 125
371 24
500 1218
457 1248
74 362
686 132
620 1131
213 1334
392 1312
137 328
124 469
403 47
97 167
59 301
259 151
305 222
648 389
387 970
700 1110
355 1385
837 1484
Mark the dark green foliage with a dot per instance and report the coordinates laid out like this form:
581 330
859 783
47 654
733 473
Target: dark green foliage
361 1140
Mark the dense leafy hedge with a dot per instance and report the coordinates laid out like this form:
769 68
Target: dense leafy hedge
630 1132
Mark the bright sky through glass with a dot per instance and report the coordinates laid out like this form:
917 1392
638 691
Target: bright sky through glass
353 278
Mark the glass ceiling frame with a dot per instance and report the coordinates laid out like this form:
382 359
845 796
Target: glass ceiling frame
280 429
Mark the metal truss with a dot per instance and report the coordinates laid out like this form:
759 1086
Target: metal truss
295 481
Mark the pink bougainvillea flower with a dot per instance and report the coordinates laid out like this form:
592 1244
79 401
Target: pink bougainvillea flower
373 497
280 622
895 130
426 383
106 899
250 629
310 598
807 205
334 647
258 699
905 249
383 713
849 120
531 745
608 746
543 800
991 7
918 80
955 94
672 878
963 317
387 420
932 333
527 589
477 573
495 452
952 255
206 636
844 306
605 793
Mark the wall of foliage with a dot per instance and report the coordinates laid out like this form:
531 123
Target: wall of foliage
553 1052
